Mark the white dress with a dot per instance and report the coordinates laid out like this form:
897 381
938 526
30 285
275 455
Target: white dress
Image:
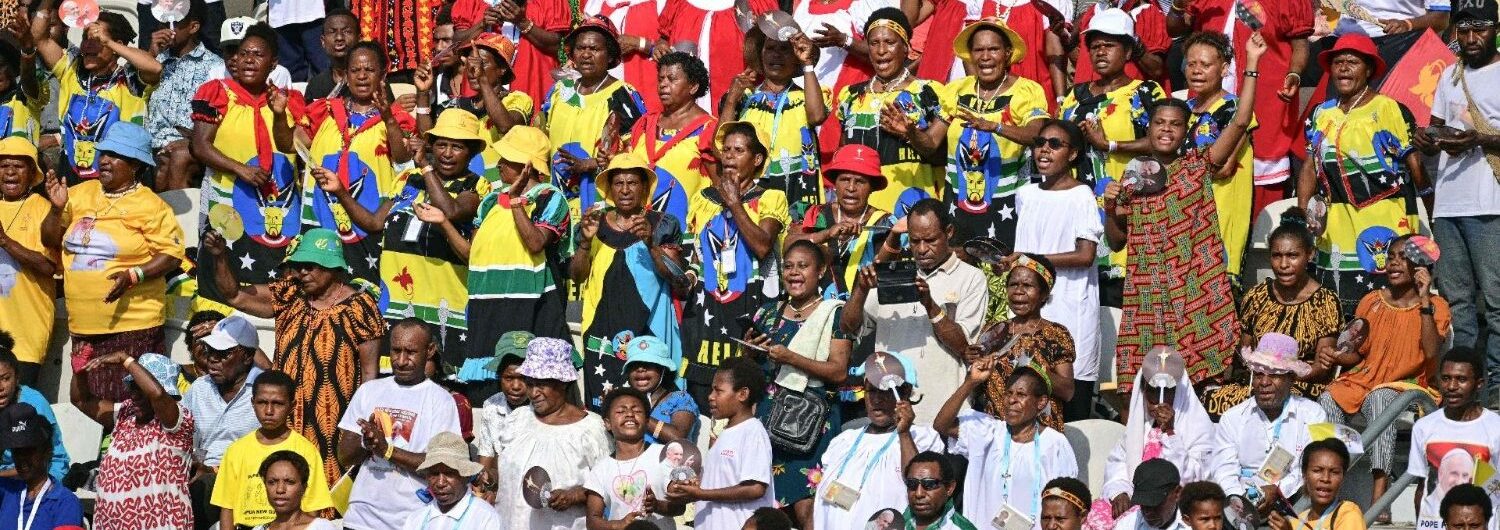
1051 222
565 451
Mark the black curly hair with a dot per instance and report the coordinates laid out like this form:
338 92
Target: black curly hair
893 14
1219 42
691 65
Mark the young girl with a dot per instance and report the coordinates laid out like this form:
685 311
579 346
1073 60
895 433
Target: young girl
1323 466
623 488
285 474
737 469
1202 505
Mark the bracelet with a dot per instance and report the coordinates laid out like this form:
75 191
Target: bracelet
1293 74
939 318
808 69
128 361
1409 25
848 40
1427 310
422 111
1252 74
1113 145
137 274
529 24
390 451
656 433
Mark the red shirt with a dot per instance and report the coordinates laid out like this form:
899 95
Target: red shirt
533 66
1285 22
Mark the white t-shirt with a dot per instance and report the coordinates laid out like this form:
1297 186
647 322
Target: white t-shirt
1447 450
1052 222
742 453
471 513
1465 183
623 484
992 455
1388 9
283 12
385 495
280 77
871 465
487 432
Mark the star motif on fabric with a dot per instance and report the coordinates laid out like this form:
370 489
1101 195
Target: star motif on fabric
1007 213
372 261
272 273
708 318
246 262
599 370
723 331
608 386
1360 278
464 337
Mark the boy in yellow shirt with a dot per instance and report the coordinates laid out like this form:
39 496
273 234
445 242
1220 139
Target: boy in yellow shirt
239 490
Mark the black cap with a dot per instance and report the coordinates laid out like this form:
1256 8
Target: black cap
21 427
1154 481
1474 9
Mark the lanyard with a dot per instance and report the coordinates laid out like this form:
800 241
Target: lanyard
1276 426
874 461
36 506
1036 479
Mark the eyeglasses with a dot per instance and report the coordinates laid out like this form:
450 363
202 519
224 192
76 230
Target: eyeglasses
1054 143
928 484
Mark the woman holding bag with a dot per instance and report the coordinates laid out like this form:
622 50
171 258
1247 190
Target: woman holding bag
806 354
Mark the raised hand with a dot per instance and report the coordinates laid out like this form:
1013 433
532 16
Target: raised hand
57 190
328 181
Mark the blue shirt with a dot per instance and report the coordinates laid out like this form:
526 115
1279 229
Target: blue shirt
219 423
168 108
59 466
59 507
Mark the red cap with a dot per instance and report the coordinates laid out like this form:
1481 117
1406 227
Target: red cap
859 160
1358 43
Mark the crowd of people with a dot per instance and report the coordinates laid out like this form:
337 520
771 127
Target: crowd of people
633 265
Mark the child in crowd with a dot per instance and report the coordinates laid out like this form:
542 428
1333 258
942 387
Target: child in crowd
737 468
1202 505
240 489
510 351
285 477
623 488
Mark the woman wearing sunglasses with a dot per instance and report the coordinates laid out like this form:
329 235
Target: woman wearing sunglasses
1058 219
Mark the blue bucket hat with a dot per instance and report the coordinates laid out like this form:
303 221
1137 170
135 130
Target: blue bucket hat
162 369
128 140
650 350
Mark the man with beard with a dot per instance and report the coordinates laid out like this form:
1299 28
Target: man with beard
1467 201
930 480
1462 429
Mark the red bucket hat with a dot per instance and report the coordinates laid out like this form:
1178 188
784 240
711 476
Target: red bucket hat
1357 43
859 160
604 26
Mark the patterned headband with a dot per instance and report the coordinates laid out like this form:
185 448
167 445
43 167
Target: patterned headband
889 24
1036 266
1064 495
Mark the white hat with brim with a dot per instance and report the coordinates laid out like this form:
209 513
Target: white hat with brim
1111 21
449 449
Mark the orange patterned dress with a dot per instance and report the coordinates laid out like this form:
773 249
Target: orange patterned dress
318 348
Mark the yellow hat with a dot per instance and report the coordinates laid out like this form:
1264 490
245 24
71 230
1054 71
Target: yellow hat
760 134
622 162
526 145
459 124
1017 46
17 146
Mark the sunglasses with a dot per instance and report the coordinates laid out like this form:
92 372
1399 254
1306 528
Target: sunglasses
1054 143
928 484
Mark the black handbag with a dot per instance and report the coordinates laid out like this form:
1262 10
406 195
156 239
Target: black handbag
796 419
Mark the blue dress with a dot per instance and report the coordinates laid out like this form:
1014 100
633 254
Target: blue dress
675 402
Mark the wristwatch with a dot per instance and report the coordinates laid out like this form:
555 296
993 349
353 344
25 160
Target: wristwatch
1427 309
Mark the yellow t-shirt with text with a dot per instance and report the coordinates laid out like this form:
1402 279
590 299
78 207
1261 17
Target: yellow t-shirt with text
239 486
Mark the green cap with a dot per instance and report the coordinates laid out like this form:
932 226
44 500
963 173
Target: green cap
318 246
511 344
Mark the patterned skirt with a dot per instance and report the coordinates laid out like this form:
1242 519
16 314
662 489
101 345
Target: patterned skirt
108 382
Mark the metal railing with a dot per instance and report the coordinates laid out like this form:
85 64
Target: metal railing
1374 428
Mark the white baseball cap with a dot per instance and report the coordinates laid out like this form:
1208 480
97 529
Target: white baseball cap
1112 21
233 30
233 331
